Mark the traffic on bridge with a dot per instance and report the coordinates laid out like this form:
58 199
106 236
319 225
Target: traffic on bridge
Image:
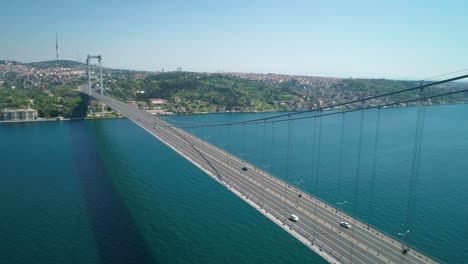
328 231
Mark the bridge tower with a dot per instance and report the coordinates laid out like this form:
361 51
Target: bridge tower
94 76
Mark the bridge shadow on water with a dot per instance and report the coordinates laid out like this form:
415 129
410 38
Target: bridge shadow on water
117 238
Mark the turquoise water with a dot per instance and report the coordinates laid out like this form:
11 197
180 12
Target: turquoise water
108 192
319 165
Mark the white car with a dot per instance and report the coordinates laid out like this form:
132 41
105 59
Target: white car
294 218
345 225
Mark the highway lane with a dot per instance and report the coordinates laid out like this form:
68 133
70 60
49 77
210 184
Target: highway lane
329 213
286 205
372 239
262 188
193 154
250 191
381 245
259 190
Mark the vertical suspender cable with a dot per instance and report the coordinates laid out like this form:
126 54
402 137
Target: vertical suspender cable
243 140
291 161
340 159
257 143
357 179
226 134
263 162
230 138
415 165
228 143
314 146
358 166
263 143
411 183
203 132
314 143
317 166
273 147
286 187
374 167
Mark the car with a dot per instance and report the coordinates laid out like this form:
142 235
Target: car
244 168
294 218
345 225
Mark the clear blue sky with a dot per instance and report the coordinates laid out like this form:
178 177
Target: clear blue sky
389 39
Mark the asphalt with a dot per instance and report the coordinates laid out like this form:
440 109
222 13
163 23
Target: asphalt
319 223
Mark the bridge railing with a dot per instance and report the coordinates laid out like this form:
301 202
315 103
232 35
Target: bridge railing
312 240
355 219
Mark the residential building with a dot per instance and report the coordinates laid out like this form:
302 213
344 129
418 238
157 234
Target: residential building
157 101
19 114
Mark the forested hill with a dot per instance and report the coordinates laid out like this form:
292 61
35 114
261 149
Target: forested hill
28 84
55 64
207 92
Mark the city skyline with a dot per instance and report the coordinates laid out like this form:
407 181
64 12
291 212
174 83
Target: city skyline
396 41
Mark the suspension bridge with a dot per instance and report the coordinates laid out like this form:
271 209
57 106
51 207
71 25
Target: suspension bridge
318 225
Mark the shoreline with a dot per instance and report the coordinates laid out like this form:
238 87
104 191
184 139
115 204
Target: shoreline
195 113
305 111
56 119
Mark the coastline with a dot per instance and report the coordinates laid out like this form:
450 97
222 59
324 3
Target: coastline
55 119
194 113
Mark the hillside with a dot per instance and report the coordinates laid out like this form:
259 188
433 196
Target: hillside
57 64
207 92
196 92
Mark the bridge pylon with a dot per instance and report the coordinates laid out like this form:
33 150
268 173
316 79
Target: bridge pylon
92 76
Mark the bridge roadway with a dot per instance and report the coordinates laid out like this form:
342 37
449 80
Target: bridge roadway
318 226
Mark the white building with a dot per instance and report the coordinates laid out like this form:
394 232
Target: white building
19 114
157 101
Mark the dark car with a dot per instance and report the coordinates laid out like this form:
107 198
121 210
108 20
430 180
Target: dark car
244 169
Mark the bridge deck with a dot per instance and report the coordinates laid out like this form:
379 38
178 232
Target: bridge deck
318 226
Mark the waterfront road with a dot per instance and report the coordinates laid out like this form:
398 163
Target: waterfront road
319 223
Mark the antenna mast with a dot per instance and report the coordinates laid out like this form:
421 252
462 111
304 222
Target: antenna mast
56 46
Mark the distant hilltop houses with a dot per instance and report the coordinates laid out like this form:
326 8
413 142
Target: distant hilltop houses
279 78
36 75
55 83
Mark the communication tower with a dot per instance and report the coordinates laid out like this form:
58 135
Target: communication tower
56 46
